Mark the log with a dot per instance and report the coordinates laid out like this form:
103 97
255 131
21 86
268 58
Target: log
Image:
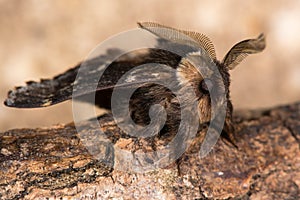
60 163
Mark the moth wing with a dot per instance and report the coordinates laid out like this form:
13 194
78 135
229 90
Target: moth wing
63 87
178 36
242 49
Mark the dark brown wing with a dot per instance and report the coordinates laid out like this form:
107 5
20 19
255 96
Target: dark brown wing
62 87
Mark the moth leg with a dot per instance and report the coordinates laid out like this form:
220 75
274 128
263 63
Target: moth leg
228 132
228 129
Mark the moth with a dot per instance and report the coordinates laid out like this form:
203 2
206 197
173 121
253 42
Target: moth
48 92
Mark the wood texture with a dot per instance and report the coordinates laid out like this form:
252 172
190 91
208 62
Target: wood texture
54 163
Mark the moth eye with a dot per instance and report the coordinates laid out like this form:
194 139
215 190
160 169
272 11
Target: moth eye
205 86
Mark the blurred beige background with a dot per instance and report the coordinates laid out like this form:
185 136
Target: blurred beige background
44 38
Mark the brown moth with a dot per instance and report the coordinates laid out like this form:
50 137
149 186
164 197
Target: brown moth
52 91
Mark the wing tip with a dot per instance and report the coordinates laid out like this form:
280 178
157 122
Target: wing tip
9 102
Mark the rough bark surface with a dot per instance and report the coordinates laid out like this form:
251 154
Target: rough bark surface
57 163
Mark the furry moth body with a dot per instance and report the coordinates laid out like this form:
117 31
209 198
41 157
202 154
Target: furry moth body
52 91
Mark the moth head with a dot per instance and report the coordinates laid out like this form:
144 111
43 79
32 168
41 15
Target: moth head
215 75
207 83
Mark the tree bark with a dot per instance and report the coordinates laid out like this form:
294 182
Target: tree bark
60 162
